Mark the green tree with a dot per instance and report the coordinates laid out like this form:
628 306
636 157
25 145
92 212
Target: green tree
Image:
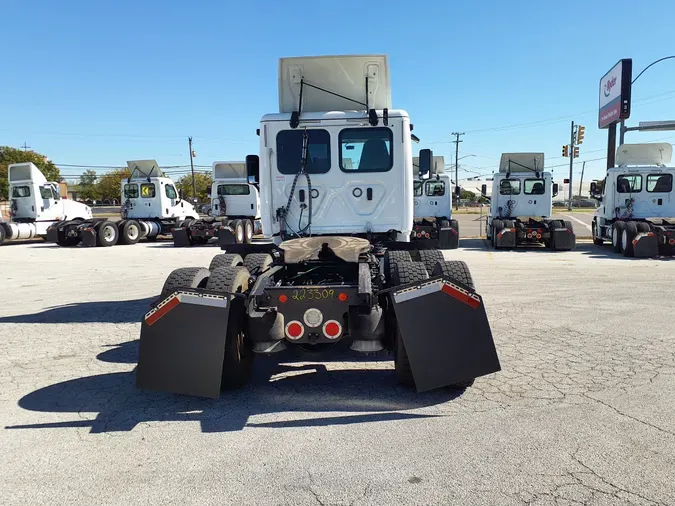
203 183
110 184
87 185
467 195
9 155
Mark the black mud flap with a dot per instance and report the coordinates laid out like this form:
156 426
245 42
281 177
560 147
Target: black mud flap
88 236
448 238
52 234
506 238
645 245
183 344
181 238
225 236
564 239
454 344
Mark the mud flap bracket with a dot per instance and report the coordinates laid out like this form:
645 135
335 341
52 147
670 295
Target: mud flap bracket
563 239
645 245
181 237
453 343
183 344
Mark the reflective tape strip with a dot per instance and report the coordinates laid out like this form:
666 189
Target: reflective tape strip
418 291
462 295
163 308
203 300
186 298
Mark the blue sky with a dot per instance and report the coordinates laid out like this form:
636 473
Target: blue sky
99 83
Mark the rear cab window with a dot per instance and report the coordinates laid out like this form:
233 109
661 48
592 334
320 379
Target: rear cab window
534 187
131 191
435 188
418 188
289 151
20 191
233 189
366 149
629 183
509 187
659 183
148 190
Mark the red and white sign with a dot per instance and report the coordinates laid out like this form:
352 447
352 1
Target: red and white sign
615 86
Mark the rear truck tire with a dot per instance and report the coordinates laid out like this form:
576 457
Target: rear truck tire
185 277
455 224
643 227
597 240
238 359
391 258
617 232
454 269
130 232
3 233
497 226
430 257
107 234
248 231
568 225
628 234
226 260
444 223
257 263
409 272
238 230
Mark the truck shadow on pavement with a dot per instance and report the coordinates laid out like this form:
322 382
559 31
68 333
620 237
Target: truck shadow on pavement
606 251
122 311
286 394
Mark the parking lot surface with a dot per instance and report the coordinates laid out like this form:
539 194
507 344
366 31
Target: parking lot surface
583 411
473 225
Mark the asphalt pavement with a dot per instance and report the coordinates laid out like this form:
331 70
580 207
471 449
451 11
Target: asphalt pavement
473 225
583 411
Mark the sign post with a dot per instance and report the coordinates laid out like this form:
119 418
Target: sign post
614 102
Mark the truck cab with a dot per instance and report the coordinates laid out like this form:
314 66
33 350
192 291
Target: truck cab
148 194
231 193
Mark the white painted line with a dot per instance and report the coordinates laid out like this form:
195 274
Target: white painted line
578 221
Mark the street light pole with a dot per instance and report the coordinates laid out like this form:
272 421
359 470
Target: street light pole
457 141
192 168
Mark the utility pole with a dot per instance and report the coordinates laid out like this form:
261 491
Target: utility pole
581 181
192 168
569 207
457 141
25 147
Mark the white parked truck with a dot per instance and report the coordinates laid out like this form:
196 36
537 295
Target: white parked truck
235 204
336 188
637 204
151 206
521 205
432 197
35 204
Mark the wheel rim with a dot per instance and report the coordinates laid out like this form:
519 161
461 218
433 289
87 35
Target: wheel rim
249 229
615 236
132 232
624 239
240 233
108 233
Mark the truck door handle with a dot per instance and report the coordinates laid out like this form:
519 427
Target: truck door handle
251 206
301 193
369 194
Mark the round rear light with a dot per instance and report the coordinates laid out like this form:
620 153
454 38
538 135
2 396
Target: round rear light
342 297
294 329
313 317
671 241
332 329
529 236
283 298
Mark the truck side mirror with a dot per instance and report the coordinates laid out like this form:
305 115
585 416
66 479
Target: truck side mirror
555 189
180 193
252 168
426 159
594 188
483 190
458 191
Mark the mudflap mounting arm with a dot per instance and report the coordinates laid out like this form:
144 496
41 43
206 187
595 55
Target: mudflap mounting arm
445 331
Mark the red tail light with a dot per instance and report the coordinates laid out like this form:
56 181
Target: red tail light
294 329
332 329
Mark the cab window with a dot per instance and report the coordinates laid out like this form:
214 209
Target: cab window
509 187
435 188
534 187
233 189
170 191
148 190
418 187
131 191
45 193
20 191
366 149
630 183
659 183
289 151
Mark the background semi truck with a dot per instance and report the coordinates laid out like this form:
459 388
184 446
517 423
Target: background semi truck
521 205
151 206
336 184
637 204
35 204
432 198
235 205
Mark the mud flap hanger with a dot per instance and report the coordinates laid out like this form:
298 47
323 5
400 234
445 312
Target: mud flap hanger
451 342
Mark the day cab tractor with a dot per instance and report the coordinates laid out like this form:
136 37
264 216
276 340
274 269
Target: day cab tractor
432 211
151 207
36 204
235 205
336 185
637 204
521 206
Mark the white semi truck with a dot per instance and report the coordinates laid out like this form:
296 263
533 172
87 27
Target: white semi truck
432 197
235 204
35 204
336 188
521 205
637 205
151 206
